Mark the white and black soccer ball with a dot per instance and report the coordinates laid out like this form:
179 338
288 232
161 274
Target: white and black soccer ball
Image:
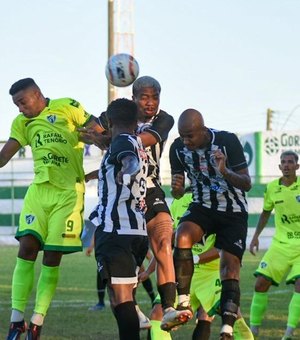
121 69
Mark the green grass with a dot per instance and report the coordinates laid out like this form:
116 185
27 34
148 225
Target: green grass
68 317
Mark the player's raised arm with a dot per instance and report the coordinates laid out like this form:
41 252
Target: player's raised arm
8 151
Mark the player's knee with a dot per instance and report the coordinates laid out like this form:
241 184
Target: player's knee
184 236
262 284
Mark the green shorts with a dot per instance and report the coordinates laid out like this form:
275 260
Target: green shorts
206 289
54 216
279 260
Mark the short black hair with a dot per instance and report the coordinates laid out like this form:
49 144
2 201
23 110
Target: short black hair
122 111
145 81
22 84
290 153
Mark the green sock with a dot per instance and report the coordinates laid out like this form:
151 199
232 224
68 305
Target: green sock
46 288
258 307
22 283
158 334
294 311
241 331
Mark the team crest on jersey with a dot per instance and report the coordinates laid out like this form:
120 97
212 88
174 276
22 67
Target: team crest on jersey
51 119
263 265
29 219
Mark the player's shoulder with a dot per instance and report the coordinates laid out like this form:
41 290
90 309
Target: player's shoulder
223 134
164 115
66 101
273 185
177 142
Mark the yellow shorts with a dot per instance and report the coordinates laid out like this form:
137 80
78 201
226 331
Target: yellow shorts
205 289
54 216
279 260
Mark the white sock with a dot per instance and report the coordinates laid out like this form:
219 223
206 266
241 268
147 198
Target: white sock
184 300
16 316
37 319
289 331
226 329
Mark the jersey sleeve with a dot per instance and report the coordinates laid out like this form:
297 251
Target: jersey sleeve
268 203
103 121
235 154
120 148
175 162
17 131
79 116
161 126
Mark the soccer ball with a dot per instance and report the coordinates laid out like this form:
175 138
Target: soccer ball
121 69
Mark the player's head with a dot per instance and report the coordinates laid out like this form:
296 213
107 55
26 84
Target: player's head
27 97
289 163
192 130
122 112
146 95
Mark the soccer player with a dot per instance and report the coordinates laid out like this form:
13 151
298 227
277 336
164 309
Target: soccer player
52 214
121 232
154 126
283 256
216 167
205 286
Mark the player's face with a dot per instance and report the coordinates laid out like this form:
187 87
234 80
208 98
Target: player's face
288 166
193 137
28 102
147 101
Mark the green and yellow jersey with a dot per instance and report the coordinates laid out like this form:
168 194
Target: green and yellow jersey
286 203
56 149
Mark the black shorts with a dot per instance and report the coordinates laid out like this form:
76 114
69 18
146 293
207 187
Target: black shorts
156 203
118 256
230 228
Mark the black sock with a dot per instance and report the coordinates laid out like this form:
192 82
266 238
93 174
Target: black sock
202 330
230 301
147 284
167 293
128 322
101 285
184 269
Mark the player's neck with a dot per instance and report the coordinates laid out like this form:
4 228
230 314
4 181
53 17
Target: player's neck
287 181
115 131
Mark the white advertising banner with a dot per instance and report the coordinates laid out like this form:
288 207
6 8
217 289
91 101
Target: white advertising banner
269 148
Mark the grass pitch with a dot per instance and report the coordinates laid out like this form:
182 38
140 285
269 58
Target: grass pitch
69 318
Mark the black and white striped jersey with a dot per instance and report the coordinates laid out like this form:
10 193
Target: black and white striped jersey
209 187
121 208
159 126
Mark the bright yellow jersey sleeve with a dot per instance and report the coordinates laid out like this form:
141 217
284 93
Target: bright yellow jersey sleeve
56 149
286 203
